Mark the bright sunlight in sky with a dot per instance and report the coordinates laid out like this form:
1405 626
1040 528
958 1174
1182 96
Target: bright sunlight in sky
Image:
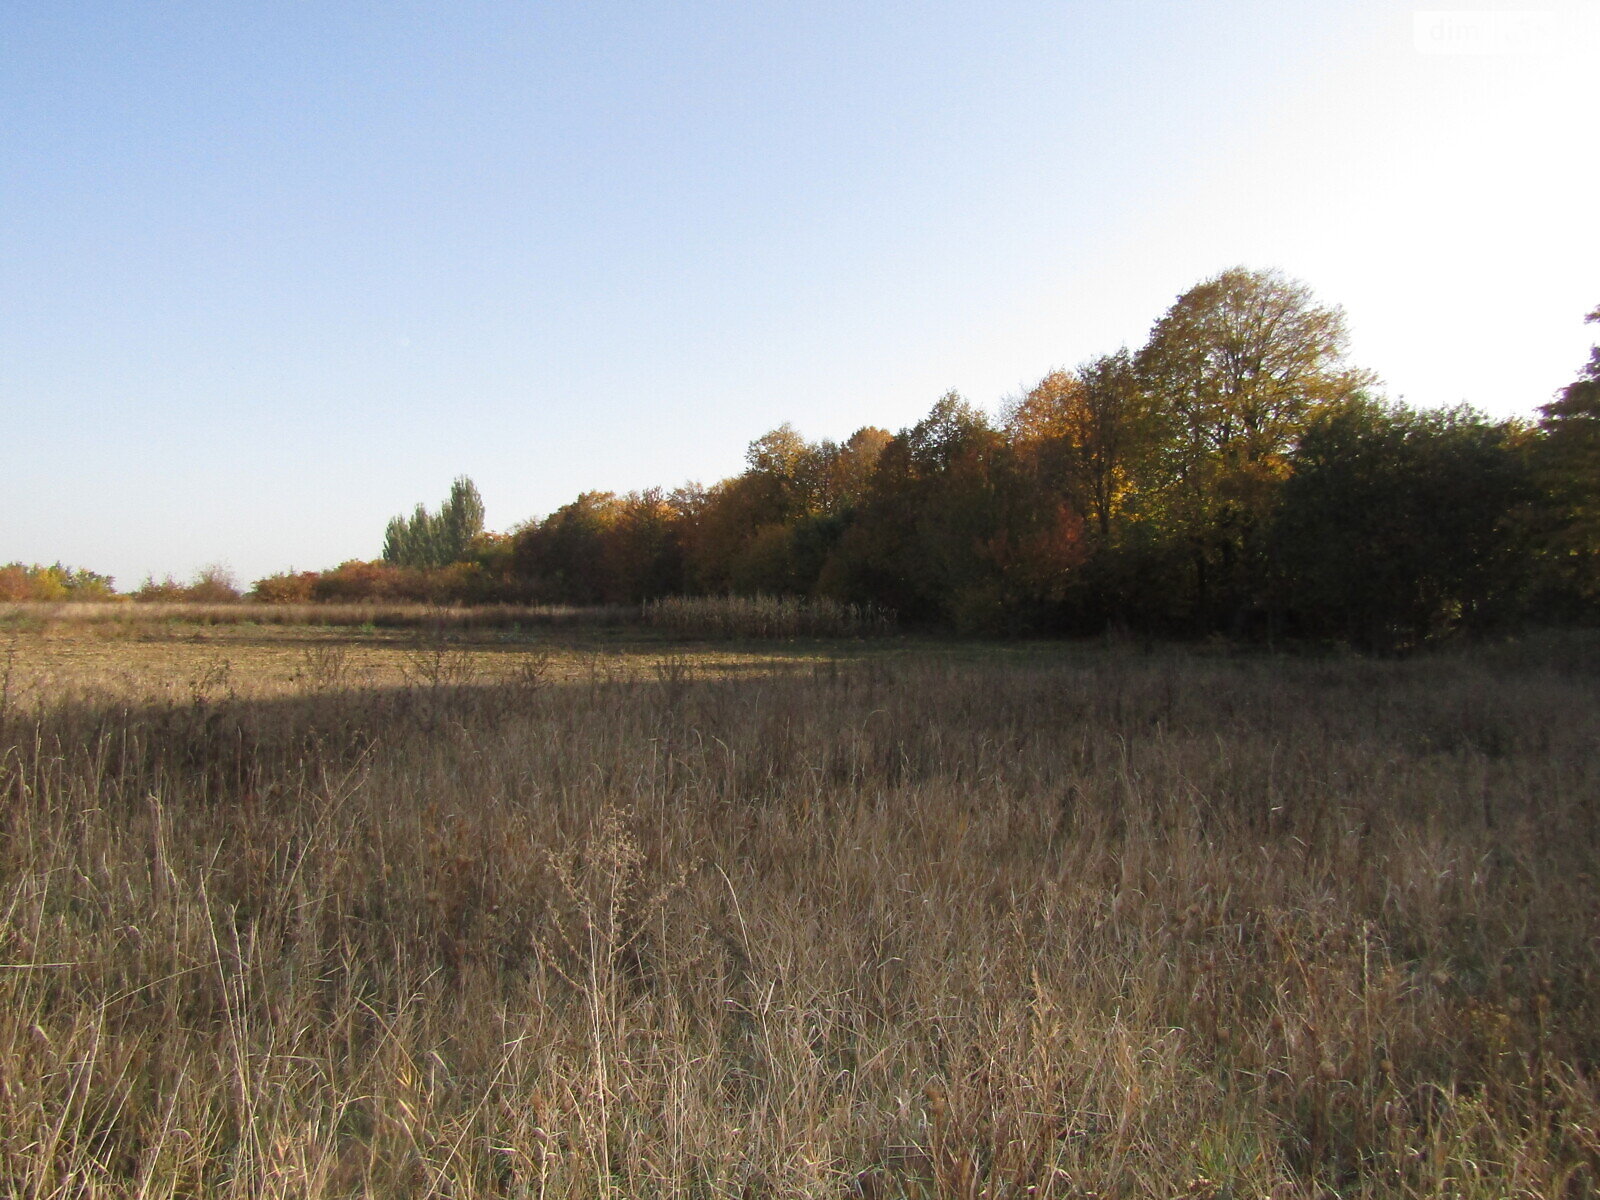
272 273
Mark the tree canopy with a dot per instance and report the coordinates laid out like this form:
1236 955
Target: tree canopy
1234 474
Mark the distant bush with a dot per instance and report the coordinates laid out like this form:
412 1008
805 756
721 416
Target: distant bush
357 580
766 617
460 583
162 590
21 582
286 587
211 584
360 582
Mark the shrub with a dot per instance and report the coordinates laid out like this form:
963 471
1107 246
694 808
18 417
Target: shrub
212 584
164 590
286 587
356 580
22 582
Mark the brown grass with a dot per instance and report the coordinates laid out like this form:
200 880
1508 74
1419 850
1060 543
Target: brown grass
1092 924
177 659
145 615
719 618
766 617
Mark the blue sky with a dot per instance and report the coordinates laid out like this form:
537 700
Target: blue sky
270 274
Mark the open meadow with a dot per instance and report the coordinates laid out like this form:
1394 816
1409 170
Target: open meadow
550 909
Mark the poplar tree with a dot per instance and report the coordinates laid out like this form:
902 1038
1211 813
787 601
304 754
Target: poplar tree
427 539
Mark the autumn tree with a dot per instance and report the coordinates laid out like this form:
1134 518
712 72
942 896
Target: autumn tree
563 558
810 478
725 523
773 528
882 557
643 547
1234 371
1039 423
491 558
850 469
791 471
953 530
1086 433
20 581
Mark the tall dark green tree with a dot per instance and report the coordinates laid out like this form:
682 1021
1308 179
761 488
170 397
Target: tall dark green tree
460 520
1567 520
428 539
1399 526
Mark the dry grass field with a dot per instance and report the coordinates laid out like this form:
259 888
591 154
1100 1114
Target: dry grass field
309 912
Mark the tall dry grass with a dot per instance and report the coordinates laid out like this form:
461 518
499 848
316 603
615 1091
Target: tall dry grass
699 617
376 615
766 617
1111 926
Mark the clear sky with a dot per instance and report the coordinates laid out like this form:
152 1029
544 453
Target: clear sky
271 273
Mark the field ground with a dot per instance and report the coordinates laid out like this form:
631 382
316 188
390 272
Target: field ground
572 910
181 659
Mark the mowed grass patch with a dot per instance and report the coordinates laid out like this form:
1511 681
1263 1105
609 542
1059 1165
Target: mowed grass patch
1076 923
49 659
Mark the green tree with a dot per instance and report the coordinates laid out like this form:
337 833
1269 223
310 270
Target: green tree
427 539
1567 465
410 542
951 429
1398 526
460 520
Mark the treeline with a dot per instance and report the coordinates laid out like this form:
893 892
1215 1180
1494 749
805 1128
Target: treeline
1233 475
54 583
